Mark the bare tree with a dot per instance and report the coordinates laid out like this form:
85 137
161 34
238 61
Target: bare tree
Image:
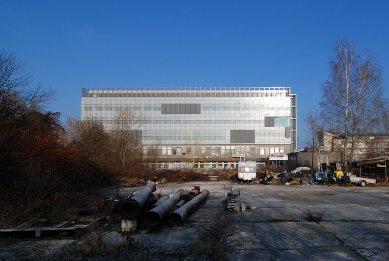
314 128
351 98
90 136
14 83
153 151
126 138
11 73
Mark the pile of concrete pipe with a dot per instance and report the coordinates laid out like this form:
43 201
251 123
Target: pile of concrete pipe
177 217
154 216
133 206
150 211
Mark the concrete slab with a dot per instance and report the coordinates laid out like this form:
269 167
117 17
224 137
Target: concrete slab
354 225
285 235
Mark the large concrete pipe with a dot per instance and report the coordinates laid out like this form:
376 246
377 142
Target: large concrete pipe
177 217
155 215
181 203
132 207
160 200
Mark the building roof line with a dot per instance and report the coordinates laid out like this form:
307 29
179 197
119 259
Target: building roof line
253 88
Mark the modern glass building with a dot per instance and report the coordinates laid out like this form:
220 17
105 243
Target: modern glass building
216 123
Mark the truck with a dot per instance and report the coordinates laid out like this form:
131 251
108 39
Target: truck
247 170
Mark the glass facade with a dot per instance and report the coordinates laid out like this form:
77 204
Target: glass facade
250 121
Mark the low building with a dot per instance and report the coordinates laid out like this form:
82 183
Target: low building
313 159
330 151
370 146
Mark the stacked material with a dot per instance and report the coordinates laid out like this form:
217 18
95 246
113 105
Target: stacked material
233 202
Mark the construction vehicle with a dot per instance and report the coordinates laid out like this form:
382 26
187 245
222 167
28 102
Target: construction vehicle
247 170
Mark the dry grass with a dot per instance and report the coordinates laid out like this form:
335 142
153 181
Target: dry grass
214 239
314 216
181 175
94 246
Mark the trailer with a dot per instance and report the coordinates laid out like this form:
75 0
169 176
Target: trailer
247 170
361 181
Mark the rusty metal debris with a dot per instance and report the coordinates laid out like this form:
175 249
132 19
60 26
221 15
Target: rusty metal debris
66 229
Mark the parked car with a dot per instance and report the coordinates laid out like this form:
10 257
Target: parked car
301 169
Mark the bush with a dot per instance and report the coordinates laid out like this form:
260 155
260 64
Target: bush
214 238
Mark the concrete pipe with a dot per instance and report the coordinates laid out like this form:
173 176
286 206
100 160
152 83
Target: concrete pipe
155 215
177 217
160 200
131 208
181 203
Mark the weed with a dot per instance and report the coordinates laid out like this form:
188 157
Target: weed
93 244
214 238
67 251
314 216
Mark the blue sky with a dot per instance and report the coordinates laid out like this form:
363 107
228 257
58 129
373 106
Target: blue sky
68 45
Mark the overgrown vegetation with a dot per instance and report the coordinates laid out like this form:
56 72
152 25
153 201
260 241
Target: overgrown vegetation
41 172
95 247
183 175
46 168
214 238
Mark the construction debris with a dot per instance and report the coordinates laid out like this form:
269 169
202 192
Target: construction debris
155 215
178 216
233 201
132 207
147 209
66 229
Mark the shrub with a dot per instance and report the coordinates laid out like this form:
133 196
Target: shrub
314 216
